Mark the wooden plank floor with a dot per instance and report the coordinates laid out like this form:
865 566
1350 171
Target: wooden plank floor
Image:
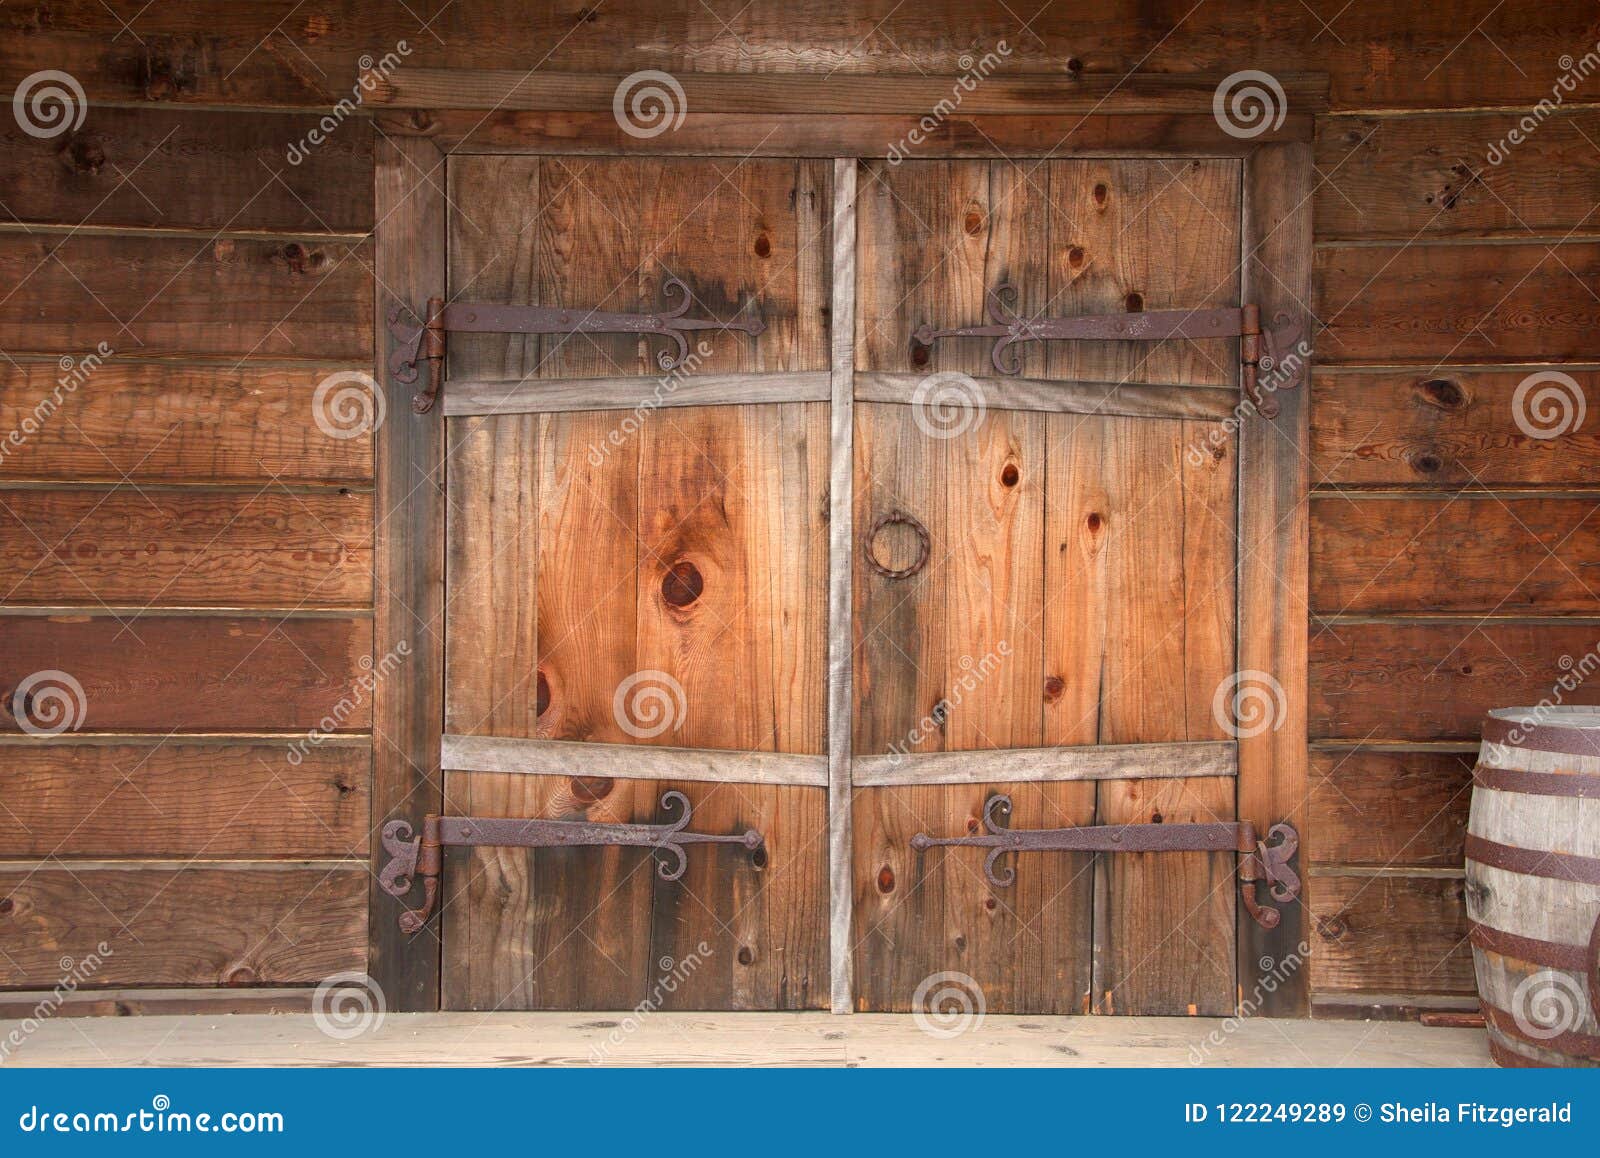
806 1039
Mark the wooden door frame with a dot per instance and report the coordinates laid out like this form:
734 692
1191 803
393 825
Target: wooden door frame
432 114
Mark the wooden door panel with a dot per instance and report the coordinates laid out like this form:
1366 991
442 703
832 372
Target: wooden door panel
1097 552
653 578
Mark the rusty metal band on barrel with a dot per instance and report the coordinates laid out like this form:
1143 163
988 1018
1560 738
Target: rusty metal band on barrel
1570 784
1569 1042
1543 737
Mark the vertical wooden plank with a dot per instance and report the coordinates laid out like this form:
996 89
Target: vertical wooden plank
841 500
408 709
495 214
1274 522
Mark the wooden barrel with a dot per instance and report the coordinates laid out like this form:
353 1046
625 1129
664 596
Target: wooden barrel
1533 884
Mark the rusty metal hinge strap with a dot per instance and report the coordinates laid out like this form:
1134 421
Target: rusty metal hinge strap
424 341
412 857
1259 860
1279 349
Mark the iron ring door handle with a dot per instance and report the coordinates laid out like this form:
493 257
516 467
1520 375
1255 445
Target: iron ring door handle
901 519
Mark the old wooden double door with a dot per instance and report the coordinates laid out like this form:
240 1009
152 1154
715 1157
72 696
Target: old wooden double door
1041 566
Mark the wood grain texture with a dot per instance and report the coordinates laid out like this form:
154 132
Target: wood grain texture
1455 175
1378 56
163 673
642 395
1047 396
219 424
1391 934
408 709
628 761
163 548
1084 762
1274 538
1388 809
1454 426
1475 552
138 167
1433 680
187 296
191 926
1428 304
177 799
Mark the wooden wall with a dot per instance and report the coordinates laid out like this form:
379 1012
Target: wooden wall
186 541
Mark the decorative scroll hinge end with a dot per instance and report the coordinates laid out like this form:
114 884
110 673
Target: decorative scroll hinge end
416 343
411 857
1268 862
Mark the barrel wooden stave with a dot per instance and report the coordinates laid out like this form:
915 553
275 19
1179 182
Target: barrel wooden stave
1539 1003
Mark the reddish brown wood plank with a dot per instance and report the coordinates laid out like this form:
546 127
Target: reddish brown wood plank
190 926
1389 934
1435 680
162 548
1454 425
1406 809
196 673
170 422
1457 303
1455 175
138 167
176 799
144 296
1489 553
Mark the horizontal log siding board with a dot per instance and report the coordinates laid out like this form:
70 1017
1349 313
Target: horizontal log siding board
1436 175
1434 679
173 423
627 761
160 673
1046 395
146 296
1383 304
543 395
808 135
1467 552
190 926
166 169
1003 765
1445 426
1379 56
164 548
1389 809
145 1002
1392 934
830 93
172 798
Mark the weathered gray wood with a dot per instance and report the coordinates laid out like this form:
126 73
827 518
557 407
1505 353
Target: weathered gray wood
627 761
646 393
1057 397
1016 765
1274 553
841 495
